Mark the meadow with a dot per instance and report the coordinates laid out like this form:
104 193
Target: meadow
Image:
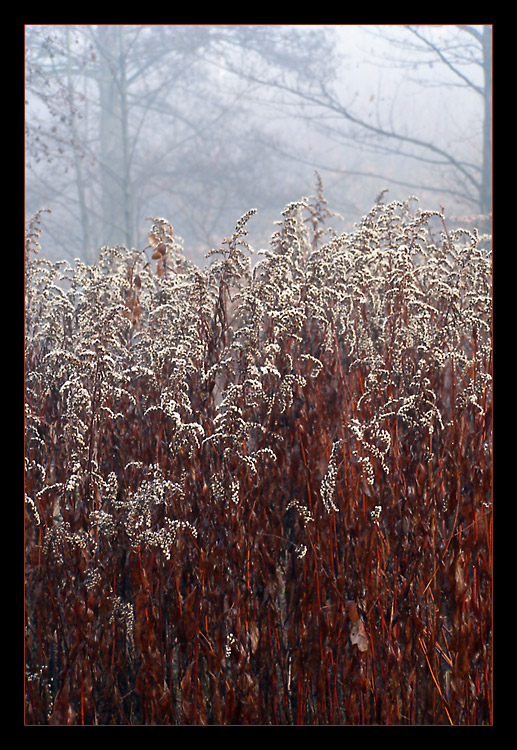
260 492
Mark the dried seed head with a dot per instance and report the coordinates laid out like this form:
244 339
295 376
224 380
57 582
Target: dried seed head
328 483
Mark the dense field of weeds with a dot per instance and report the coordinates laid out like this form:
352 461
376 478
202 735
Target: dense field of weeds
261 493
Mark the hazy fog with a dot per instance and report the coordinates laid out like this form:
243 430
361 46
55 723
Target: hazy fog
200 123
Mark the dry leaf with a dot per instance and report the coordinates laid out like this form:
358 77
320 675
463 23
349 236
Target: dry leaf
358 636
351 608
459 576
357 632
254 637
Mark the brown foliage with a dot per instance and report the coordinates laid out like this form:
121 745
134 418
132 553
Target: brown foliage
262 495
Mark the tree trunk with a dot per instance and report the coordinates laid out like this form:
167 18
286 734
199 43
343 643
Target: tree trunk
79 176
117 214
486 184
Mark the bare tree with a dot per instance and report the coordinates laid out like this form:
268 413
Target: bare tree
463 54
149 120
467 56
94 87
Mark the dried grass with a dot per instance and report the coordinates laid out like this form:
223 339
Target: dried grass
262 494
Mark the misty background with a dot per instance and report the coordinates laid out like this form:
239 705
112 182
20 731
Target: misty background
200 123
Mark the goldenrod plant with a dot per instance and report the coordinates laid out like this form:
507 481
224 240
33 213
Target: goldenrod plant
260 492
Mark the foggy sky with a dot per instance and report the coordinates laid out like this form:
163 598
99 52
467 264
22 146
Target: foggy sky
369 81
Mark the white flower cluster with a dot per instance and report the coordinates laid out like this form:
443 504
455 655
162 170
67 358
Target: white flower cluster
182 363
302 510
375 513
230 640
328 483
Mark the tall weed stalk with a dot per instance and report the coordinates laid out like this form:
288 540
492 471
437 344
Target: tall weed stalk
261 493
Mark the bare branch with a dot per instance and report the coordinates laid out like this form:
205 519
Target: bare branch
445 60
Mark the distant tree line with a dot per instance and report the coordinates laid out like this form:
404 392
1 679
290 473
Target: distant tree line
202 122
